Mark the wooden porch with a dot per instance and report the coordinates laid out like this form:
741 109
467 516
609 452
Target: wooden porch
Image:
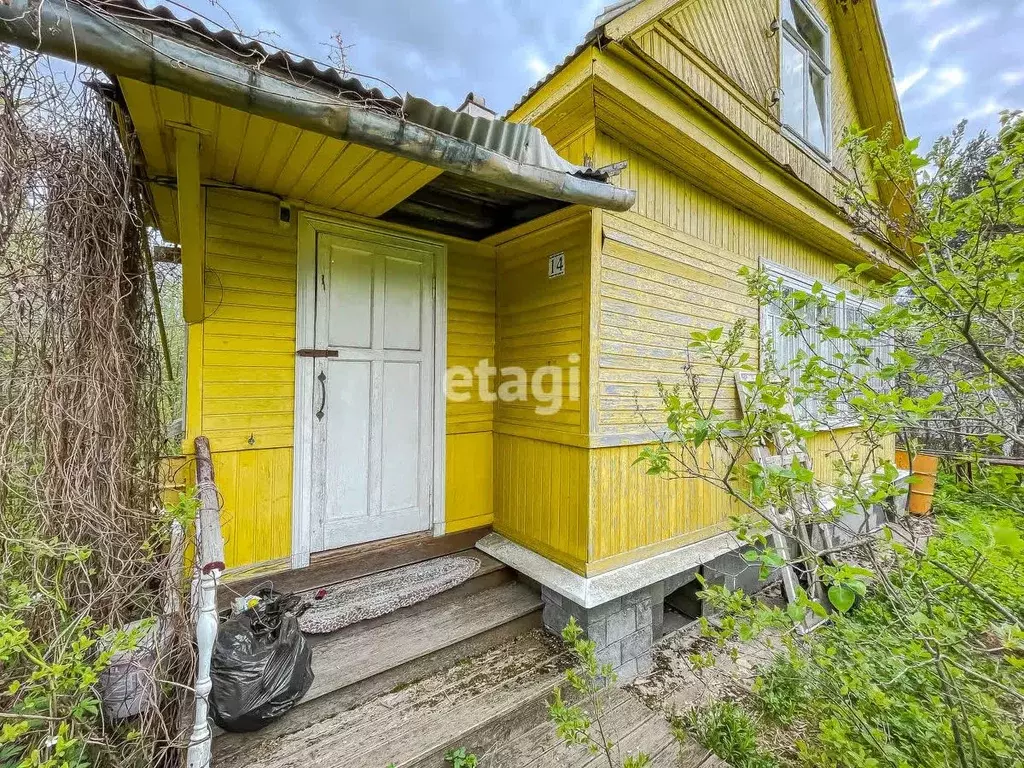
471 667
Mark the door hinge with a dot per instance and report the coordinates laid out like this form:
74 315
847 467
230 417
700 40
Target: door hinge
316 353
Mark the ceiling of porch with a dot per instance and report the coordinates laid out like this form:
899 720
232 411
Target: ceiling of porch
252 152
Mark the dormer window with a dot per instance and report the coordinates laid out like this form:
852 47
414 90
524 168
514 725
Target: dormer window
806 92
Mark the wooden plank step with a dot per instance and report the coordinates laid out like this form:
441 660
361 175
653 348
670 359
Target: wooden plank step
542 747
414 724
368 648
492 573
687 755
340 565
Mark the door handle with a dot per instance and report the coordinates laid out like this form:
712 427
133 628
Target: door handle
322 378
316 353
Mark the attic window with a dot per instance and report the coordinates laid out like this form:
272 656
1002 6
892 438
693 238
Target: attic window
806 90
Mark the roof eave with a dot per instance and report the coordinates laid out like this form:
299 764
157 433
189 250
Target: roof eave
73 31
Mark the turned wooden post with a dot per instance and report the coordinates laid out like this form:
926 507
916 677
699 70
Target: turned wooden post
209 565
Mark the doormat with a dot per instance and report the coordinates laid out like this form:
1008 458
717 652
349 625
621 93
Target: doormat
337 606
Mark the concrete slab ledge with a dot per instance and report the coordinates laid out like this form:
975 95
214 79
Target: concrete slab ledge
597 590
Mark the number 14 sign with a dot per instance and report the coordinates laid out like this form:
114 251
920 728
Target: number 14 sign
556 264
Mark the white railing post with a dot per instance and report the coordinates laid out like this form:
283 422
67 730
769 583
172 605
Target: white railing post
209 565
199 750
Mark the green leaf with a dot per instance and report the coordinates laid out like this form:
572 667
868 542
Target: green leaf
842 597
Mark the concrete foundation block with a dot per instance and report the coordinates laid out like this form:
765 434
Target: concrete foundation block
622 629
735 573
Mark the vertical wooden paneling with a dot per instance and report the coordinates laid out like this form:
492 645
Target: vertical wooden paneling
469 463
255 487
635 515
469 483
541 320
542 496
733 35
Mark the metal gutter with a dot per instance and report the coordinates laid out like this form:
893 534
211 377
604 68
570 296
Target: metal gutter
73 31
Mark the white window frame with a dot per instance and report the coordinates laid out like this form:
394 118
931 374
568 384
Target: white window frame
799 281
811 61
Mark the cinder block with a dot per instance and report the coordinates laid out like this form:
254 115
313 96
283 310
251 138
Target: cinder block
644 614
637 644
634 598
598 632
621 624
554 618
627 672
552 597
644 663
610 654
735 573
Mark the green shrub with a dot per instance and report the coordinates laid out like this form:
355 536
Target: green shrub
780 693
727 730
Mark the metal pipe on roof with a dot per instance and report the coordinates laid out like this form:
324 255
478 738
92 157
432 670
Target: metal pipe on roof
73 31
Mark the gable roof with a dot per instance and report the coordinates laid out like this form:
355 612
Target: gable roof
858 26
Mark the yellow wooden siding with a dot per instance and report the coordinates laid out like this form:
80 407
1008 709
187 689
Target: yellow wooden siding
722 52
469 450
635 515
541 321
542 497
733 37
249 328
845 452
256 491
637 110
469 482
669 267
471 329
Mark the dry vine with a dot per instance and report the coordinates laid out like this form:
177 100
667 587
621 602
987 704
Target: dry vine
83 538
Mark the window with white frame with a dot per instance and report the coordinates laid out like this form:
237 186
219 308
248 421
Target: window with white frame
806 87
843 311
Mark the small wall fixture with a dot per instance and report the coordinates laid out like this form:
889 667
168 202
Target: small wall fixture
774 27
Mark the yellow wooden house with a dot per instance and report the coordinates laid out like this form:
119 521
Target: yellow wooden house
353 263
730 114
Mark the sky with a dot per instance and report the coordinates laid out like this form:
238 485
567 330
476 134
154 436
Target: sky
952 59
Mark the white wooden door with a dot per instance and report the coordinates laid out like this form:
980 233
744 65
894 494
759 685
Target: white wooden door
373 396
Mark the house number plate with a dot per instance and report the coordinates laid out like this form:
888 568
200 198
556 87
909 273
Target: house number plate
556 264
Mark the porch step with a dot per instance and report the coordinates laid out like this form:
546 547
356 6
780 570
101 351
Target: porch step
628 723
359 652
493 697
336 566
378 658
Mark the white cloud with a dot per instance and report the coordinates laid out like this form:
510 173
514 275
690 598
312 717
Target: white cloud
951 77
944 36
988 109
939 86
904 84
921 7
537 66
1012 78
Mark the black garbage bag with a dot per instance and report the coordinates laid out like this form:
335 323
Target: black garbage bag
261 665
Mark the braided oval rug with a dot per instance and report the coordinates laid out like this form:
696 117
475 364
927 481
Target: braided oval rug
337 606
